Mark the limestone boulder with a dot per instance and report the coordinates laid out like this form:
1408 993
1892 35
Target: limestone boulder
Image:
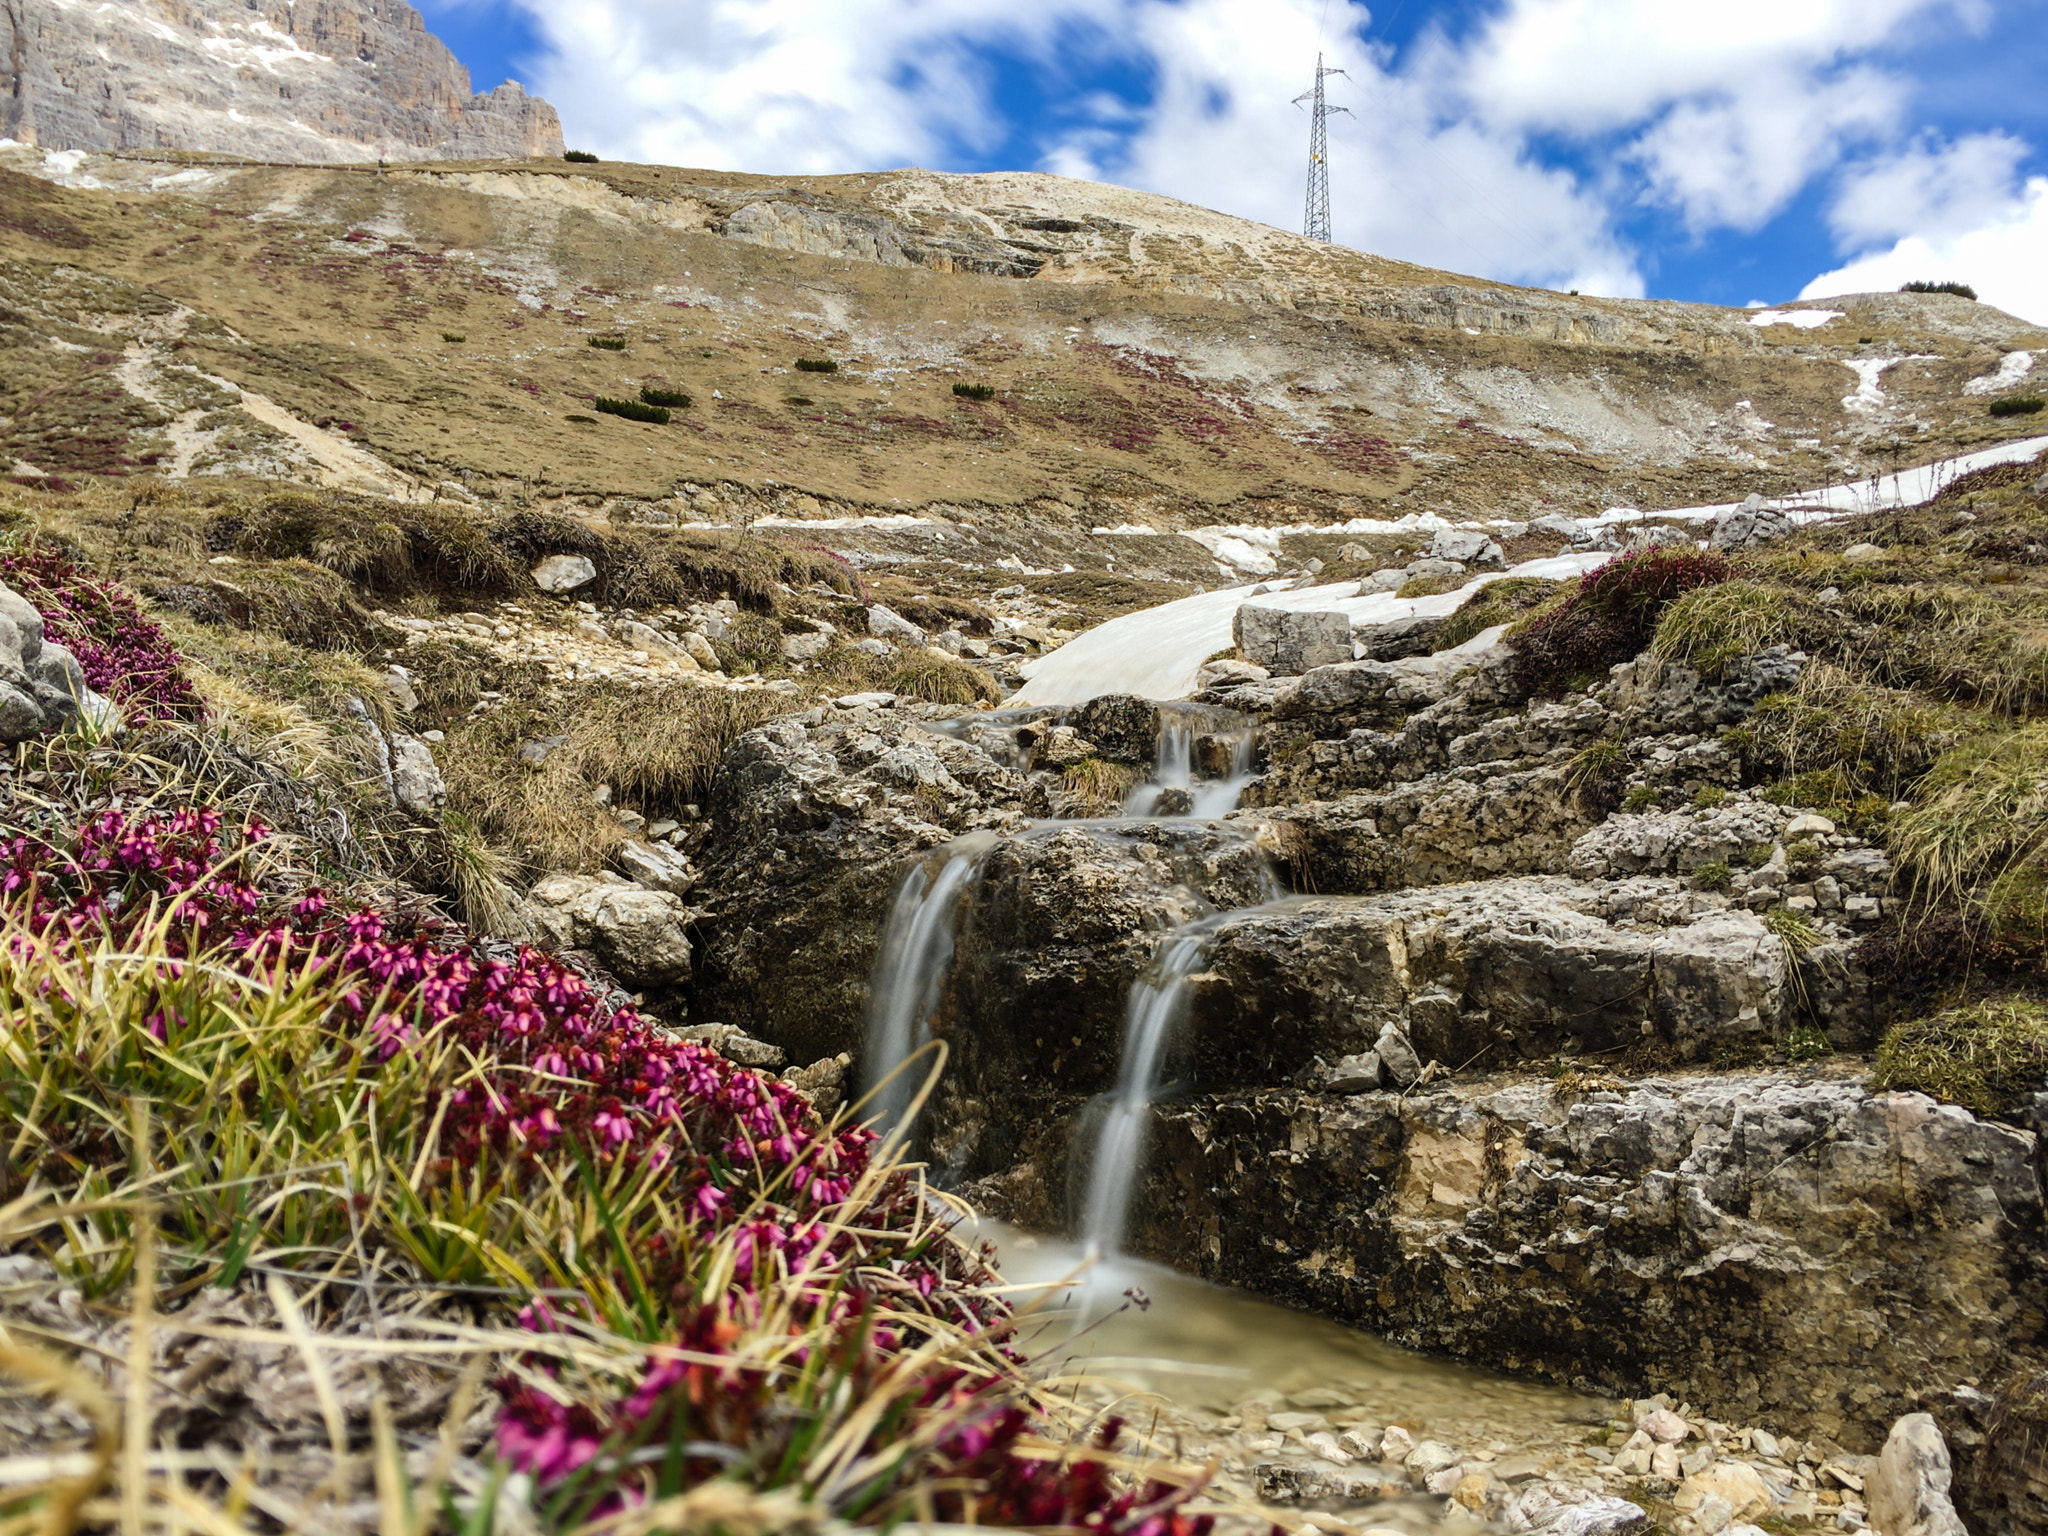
1287 643
1499 971
564 573
1467 546
885 623
416 782
638 935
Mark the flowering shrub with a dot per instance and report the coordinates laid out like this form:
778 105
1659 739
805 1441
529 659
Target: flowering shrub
122 653
783 1285
1609 617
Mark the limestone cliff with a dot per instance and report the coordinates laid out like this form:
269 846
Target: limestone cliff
315 80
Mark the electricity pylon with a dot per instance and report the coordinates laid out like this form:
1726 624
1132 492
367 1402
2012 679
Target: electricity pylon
1315 219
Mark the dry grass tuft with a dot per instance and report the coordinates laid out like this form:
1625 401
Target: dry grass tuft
1991 1057
1097 787
1982 818
941 679
1498 602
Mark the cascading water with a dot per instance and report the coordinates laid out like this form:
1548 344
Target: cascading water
1157 1001
910 970
1173 789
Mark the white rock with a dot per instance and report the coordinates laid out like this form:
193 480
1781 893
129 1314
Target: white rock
1736 1484
1909 1491
1862 554
563 573
656 866
1357 1446
699 650
1664 1426
1559 1509
1228 674
637 933
397 684
875 700
805 647
1396 1445
1431 1457
1468 546
1326 1445
1809 825
887 624
1665 1463
416 782
1765 1443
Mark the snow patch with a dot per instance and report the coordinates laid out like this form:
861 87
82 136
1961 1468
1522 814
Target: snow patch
2012 367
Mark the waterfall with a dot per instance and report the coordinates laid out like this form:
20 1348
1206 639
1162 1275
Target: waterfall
1157 1001
1173 789
911 968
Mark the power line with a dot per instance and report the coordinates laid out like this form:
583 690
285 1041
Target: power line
1315 219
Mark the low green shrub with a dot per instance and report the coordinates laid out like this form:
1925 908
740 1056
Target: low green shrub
816 365
1707 796
666 398
579 157
2018 405
450 336
1498 602
1641 798
1991 1056
1714 876
633 410
606 343
1960 290
1807 1042
975 391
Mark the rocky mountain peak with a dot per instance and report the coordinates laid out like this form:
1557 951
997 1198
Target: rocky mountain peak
315 80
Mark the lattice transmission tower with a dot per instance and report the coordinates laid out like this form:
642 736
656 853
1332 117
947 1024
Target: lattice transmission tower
1315 219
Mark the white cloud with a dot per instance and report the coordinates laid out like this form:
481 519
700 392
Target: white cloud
2005 259
1928 189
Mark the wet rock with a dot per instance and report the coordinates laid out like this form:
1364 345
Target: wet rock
1909 1494
637 934
887 624
563 573
1124 728
1287 643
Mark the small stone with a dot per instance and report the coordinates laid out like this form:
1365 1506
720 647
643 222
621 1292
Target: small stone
657 866
881 650
1354 1074
416 782
1862 554
1470 1491
534 752
1467 546
1432 1456
1358 1445
1325 1445
887 624
876 700
1663 1425
661 828
563 573
1665 1463
1764 1443
1398 1060
397 685
1442 1483
698 648
1354 552
1739 1487
805 647
1396 1445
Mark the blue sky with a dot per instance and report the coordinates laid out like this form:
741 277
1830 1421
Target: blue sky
1752 150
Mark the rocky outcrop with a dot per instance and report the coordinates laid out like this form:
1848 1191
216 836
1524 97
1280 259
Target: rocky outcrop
1909 1492
1780 1246
41 685
316 80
